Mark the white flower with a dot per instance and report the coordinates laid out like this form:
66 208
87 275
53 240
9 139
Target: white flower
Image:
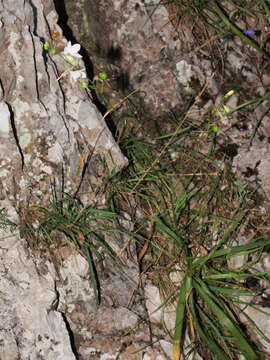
73 50
77 74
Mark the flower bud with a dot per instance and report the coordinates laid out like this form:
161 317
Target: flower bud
215 128
103 75
84 84
229 94
46 45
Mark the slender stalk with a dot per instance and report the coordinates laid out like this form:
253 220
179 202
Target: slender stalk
266 8
221 13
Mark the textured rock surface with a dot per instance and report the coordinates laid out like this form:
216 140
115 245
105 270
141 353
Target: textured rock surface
46 123
142 51
158 313
255 163
31 327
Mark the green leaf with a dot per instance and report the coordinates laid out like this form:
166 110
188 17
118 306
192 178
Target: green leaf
92 273
230 291
243 249
229 323
204 335
234 275
173 134
184 292
177 238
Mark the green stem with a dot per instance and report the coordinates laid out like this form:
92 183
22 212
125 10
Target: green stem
220 12
266 8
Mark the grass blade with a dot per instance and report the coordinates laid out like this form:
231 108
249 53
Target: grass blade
230 291
177 238
211 343
225 319
184 292
92 273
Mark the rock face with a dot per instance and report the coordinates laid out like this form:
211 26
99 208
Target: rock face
142 50
31 328
50 129
47 122
49 125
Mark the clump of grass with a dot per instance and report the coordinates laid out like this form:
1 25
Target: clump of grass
188 210
208 291
64 221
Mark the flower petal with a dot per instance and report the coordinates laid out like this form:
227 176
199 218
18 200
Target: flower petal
73 50
76 48
77 74
250 32
67 49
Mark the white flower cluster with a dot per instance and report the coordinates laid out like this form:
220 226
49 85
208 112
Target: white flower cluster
71 55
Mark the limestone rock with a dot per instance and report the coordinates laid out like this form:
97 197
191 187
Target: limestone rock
143 49
49 126
31 328
49 122
254 163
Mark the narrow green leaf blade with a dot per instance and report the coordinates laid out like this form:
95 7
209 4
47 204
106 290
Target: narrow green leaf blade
225 319
184 292
212 345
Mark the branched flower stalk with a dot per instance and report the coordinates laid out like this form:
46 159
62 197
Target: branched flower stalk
72 57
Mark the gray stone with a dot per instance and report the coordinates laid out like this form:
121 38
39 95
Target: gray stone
48 120
138 43
48 123
31 328
255 158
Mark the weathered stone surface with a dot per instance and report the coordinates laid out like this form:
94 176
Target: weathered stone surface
158 311
254 162
48 123
31 327
142 51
